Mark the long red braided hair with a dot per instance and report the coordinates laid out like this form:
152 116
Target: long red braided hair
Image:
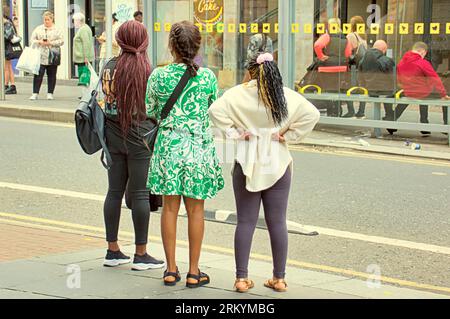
131 74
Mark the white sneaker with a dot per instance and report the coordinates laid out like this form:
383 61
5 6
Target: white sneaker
34 97
50 96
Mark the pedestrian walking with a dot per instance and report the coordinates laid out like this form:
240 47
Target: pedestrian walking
13 50
263 117
49 39
124 81
184 164
83 50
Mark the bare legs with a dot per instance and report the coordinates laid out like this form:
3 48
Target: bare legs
9 73
196 226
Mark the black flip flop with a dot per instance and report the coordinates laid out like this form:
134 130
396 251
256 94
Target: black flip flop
176 275
200 282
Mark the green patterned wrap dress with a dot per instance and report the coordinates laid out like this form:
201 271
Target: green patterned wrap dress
184 160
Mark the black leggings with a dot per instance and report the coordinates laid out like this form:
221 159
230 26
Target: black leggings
51 75
275 201
131 161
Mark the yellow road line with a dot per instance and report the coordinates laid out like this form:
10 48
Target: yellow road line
94 232
323 231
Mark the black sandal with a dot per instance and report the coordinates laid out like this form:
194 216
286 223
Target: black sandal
176 275
202 279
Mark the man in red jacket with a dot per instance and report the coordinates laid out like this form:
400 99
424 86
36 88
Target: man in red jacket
419 81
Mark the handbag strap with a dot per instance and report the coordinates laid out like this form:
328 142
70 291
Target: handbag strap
175 95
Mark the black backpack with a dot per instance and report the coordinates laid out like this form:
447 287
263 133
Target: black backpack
90 128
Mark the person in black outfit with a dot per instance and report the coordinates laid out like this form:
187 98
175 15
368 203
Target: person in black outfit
377 74
124 81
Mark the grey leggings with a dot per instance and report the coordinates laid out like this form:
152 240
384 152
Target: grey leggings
275 202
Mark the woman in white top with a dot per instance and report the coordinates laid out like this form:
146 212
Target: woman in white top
48 39
263 117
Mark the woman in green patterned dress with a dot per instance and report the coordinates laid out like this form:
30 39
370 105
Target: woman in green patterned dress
184 162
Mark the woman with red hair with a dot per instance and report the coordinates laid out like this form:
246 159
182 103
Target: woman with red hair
124 81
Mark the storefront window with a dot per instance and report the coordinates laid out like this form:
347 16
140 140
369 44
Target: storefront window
35 11
328 37
227 26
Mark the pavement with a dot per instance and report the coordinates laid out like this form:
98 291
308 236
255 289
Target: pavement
46 258
325 136
51 262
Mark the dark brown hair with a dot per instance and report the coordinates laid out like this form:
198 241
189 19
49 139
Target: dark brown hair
185 40
131 74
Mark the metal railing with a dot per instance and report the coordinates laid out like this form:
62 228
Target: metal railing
377 123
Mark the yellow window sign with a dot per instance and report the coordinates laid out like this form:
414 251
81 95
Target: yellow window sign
320 28
157 27
419 28
231 28
307 28
404 28
447 28
266 28
295 28
361 28
199 26
435 28
254 28
167 27
276 27
334 28
210 28
220 28
243 28
389 28
374 28
346 28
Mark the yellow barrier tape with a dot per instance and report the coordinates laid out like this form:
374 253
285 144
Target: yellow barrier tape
308 28
346 28
361 28
404 28
334 28
435 28
320 28
419 28
375 28
389 28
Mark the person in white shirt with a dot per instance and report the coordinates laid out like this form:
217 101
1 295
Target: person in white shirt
263 116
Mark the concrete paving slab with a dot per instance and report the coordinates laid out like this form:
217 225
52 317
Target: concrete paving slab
361 288
16 273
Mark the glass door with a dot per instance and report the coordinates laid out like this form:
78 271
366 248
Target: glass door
227 26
